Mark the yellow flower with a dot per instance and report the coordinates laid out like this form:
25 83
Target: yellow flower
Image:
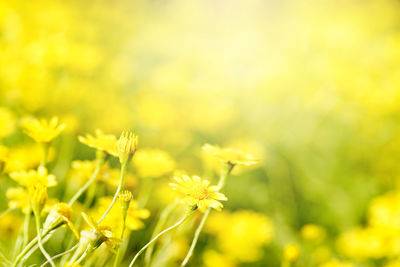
241 235
59 215
197 192
230 156
212 258
125 196
42 131
313 233
9 225
152 163
33 177
103 233
291 252
18 198
336 263
126 146
38 194
103 142
7 122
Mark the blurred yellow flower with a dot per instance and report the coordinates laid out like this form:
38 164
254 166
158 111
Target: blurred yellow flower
242 234
212 258
336 263
33 177
230 156
18 198
42 131
313 233
197 192
103 142
291 252
38 194
7 122
9 225
26 156
152 163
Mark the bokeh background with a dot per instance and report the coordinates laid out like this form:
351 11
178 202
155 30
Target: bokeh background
311 88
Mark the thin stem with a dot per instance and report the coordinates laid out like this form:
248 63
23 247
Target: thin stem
61 254
45 153
26 226
99 164
27 248
163 217
196 237
37 217
187 214
117 258
121 183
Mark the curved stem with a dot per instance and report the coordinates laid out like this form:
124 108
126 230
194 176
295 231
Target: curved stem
27 248
61 254
99 164
37 217
121 183
160 234
196 237
163 217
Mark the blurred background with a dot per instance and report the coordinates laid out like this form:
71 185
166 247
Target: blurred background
310 88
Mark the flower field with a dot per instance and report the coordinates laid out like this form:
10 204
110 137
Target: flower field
243 133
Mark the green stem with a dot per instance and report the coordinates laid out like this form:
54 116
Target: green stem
26 226
45 153
196 237
38 226
61 254
99 164
27 248
187 214
117 258
121 183
163 218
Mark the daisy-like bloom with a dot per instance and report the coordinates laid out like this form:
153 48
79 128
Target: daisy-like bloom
230 156
198 193
33 177
18 198
42 131
102 233
126 146
59 215
101 141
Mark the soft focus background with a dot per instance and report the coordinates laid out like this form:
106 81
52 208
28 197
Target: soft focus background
311 88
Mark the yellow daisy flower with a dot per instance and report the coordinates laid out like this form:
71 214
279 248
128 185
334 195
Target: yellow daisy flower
103 142
197 192
126 146
230 156
33 177
42 131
